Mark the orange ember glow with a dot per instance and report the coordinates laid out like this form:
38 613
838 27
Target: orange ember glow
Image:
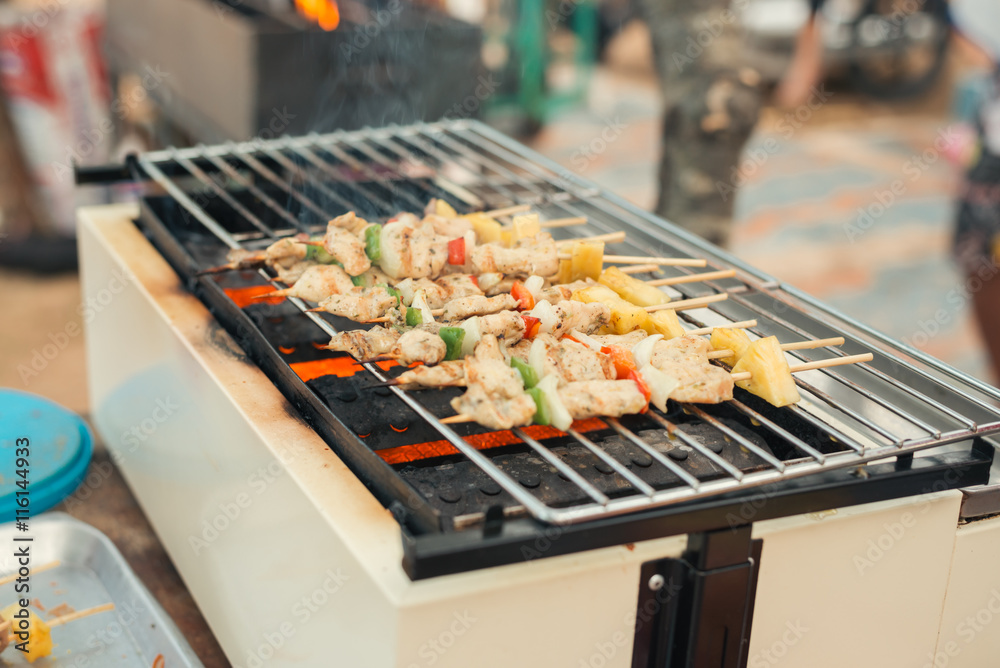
323 12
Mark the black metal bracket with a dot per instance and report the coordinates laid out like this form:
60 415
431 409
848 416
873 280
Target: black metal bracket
696 611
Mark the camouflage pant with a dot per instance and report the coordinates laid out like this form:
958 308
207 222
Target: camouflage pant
711 107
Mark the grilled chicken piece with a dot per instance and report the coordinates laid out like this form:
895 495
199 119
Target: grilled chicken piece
506 325
435 294
534 256
448 227
317 282
699 383
350 222
293 273
412 251
347 249
445 374
691 350
623 340
466 307
562 292
374 276
284 252
459 285
418 345
495 397
360 304
585 318
364 345
576 362
503 287
605 398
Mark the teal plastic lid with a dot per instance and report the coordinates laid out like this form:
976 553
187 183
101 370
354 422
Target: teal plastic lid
59 449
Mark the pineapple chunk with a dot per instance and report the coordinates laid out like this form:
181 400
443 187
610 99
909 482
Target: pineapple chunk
565 272
725 338
625 317
526 227
595 293
39 643
487 229
632 289
586 261
770 377
444 209
667 323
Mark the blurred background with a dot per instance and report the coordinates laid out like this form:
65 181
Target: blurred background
826 148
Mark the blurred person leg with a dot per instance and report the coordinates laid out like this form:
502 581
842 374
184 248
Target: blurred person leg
977 248
711 106
806 69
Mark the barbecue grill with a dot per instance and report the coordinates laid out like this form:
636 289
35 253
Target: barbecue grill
467 500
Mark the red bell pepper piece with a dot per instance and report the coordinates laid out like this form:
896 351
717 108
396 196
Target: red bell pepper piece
456 251
622 359
531 325
640 381
525 300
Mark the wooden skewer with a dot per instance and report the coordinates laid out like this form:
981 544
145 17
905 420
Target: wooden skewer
798 345
37 569
506 211
795 368
610 238
693 278
563 222
685 304
310 242
640 269
742 324
642 259
819 364
80 614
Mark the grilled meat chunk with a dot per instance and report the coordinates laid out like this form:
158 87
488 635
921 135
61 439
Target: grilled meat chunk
607 398
495 397
418 345
346 248
363 344
445 374
360 304
466 307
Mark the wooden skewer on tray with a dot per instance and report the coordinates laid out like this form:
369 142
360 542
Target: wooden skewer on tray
798 345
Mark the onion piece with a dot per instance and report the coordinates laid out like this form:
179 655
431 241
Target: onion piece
420 302
642 352
546 315
489 281
588 341
660 385
559 417
391 261
537 355
407 288
534 284
472 335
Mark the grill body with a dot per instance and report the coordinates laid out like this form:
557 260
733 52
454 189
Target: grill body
240 478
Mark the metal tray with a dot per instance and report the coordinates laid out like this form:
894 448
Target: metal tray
92 571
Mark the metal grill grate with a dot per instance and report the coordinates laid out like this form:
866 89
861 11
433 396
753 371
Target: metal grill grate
900 403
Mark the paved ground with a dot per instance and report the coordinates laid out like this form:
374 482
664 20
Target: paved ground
816 207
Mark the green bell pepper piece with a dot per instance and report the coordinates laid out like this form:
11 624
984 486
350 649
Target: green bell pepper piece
528 374
453 337
541 413
413 317
373 242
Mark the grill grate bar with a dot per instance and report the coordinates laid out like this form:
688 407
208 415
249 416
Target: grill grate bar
742 440
780 431
235 175
878 374
693 443
563 468
615 465
223 194
674 468
262 169
494 169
